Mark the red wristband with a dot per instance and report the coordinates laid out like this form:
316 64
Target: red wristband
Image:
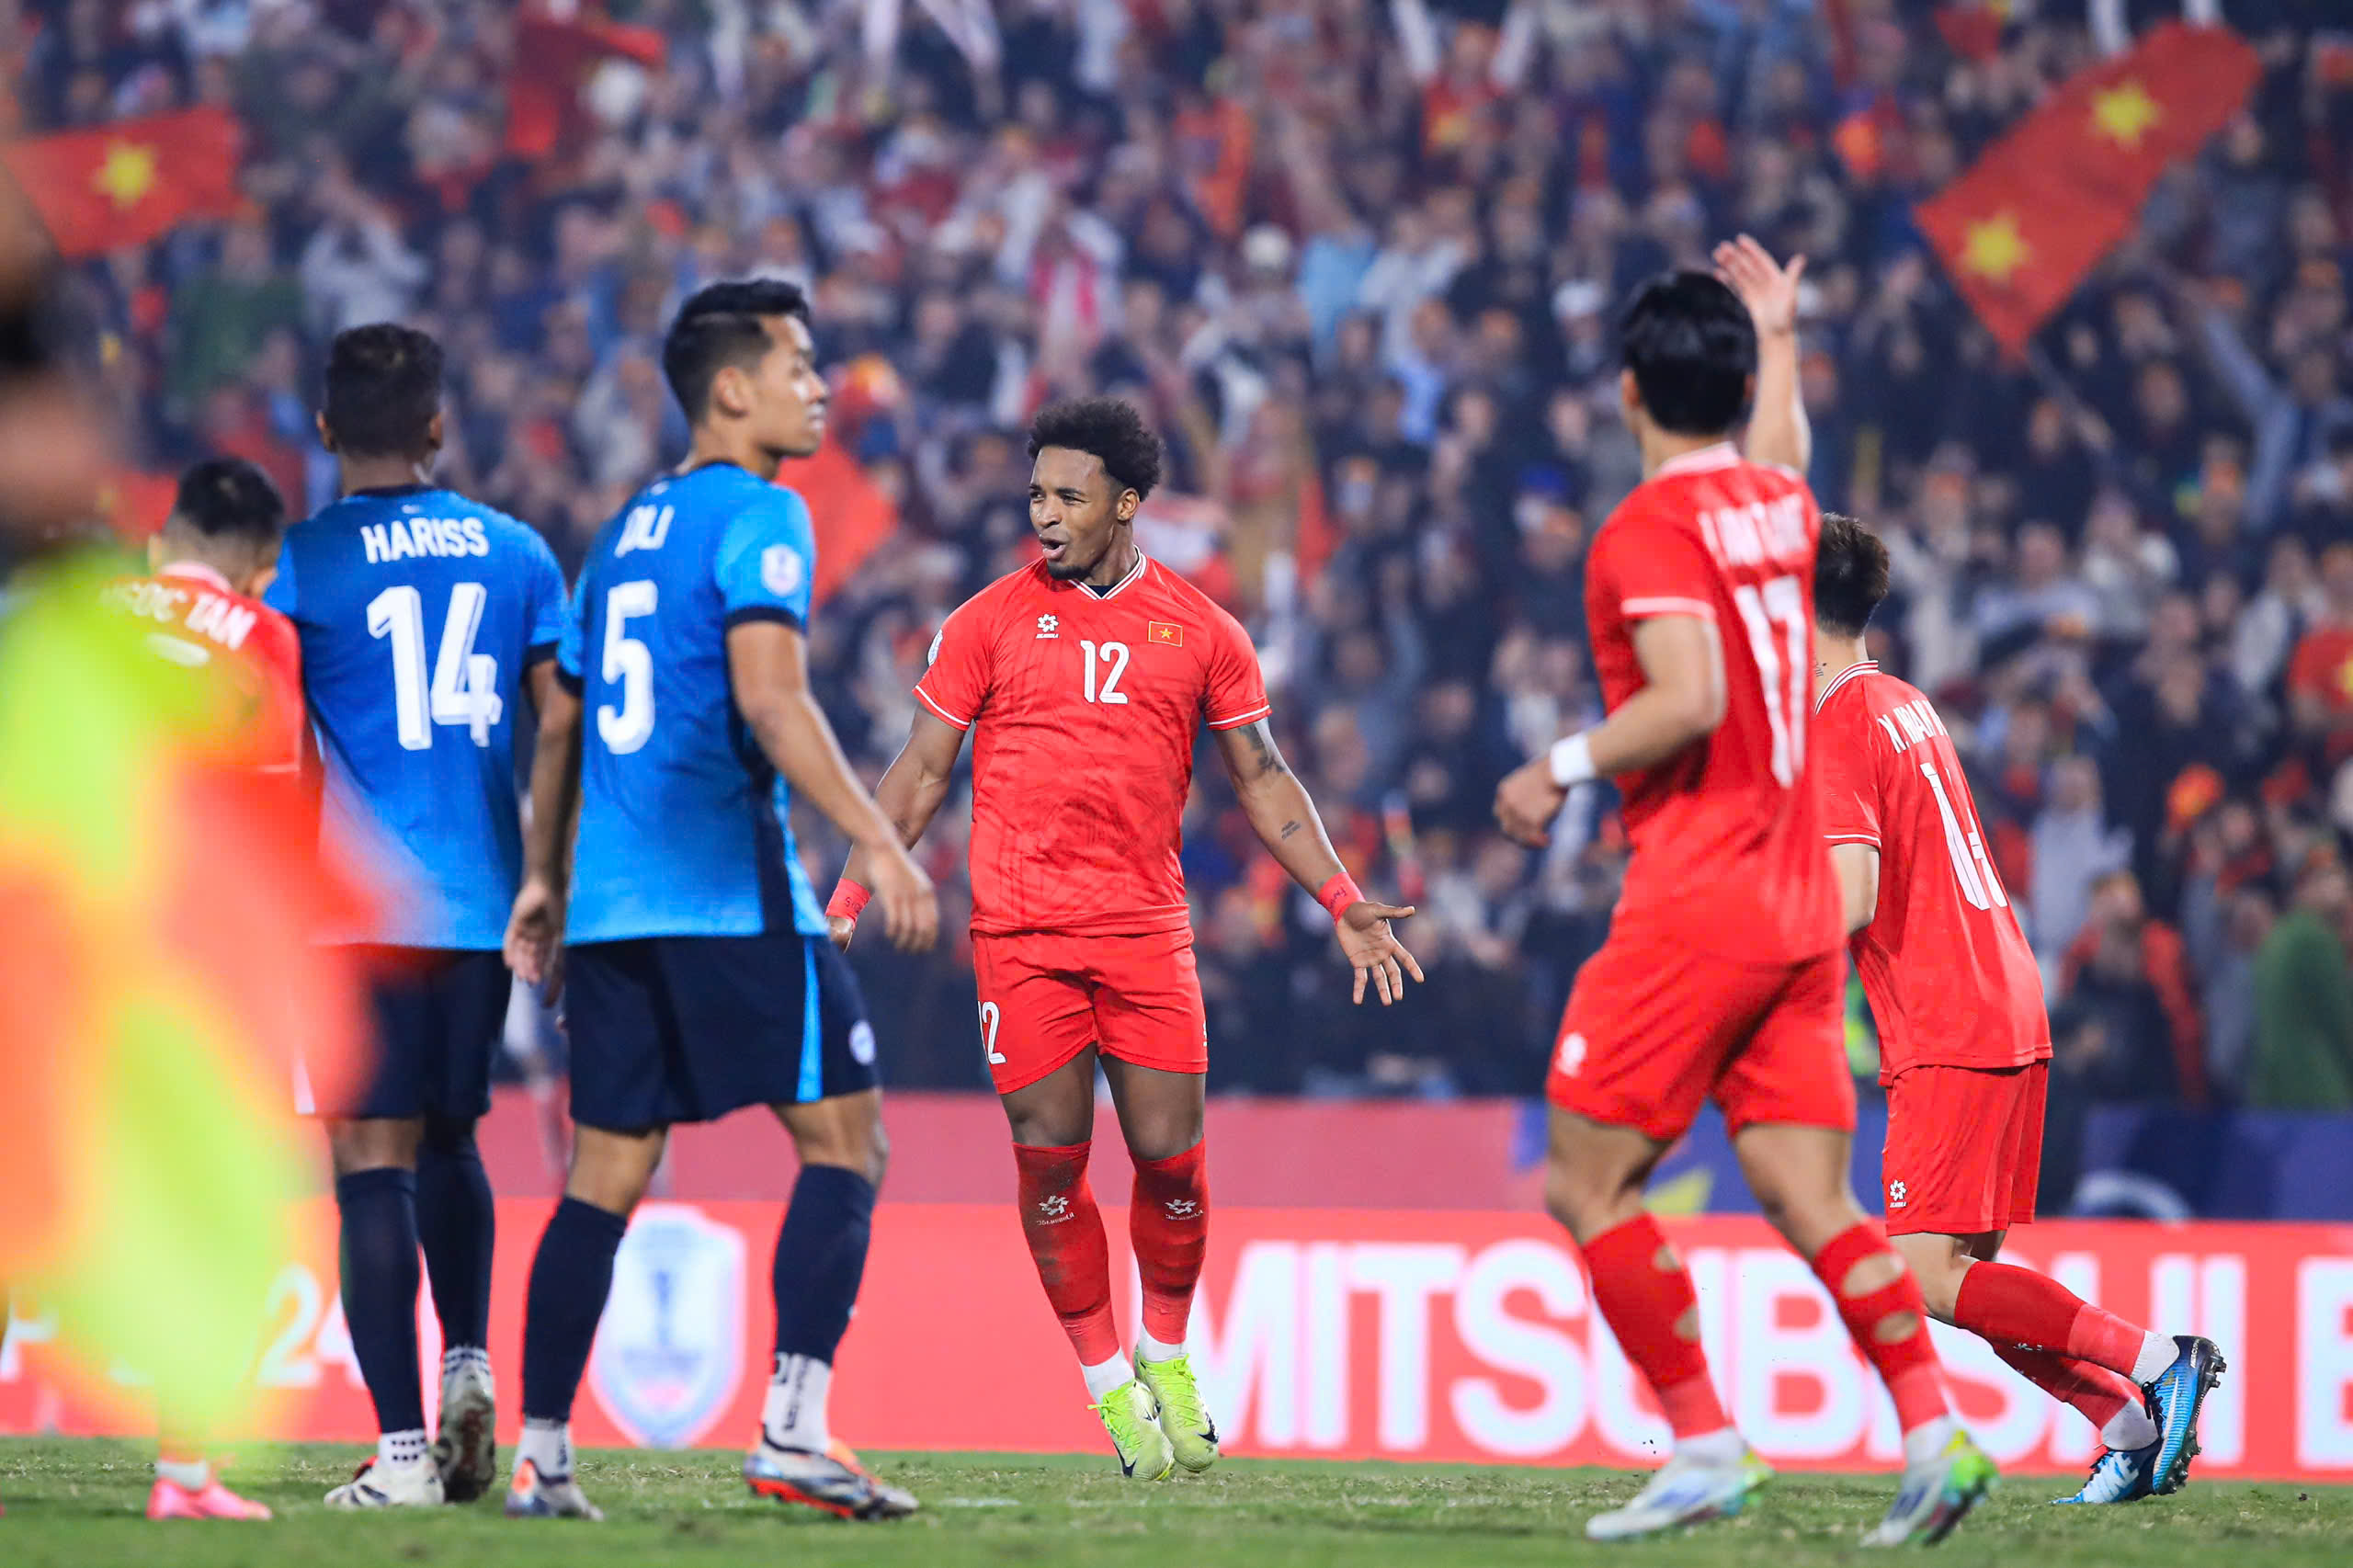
847 900
1338 894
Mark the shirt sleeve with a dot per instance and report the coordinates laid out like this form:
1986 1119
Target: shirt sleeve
956 685
1654 568
551 607
1235 691
279 595
1849 791
568 667
766 559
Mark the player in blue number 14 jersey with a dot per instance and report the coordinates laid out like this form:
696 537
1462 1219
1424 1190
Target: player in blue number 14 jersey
699 977
425 619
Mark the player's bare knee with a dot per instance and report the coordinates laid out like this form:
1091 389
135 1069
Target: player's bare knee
611 1170
376 1143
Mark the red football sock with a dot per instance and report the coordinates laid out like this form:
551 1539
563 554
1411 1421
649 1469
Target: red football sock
2099 1393
1640 1286
1065 1234
2016 1306
1907 1361
1168 1224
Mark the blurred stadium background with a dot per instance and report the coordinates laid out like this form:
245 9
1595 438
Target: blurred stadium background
1356 257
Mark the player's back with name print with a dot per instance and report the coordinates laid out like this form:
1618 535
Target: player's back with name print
419 613
1715 538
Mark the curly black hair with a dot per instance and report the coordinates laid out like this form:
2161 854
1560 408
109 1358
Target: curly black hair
1849 575
1111 429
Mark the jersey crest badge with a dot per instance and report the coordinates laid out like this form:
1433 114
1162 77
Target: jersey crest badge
671 1350
1048 626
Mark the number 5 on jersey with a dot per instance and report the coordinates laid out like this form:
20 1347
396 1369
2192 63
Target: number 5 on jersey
629 663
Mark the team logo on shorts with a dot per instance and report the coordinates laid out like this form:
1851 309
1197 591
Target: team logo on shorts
1054 1210
1050 626
670 1351
1572 1057
1896 1194
861 1043
781 571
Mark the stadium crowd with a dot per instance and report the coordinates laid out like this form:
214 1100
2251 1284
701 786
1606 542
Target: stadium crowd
1357 259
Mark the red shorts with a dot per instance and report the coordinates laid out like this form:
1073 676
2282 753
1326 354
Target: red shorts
1651 1029
1046 997
1964 1149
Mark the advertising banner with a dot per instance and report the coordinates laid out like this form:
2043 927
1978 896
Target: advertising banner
1342 1333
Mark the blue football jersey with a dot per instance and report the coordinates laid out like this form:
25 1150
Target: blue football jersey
685 826
419 612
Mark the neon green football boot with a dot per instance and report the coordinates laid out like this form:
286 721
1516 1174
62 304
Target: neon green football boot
1133 1418
1191 1434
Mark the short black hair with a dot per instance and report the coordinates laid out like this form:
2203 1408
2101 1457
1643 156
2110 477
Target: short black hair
383 388
1849 575
720 325
229 498
1111 429
1692 348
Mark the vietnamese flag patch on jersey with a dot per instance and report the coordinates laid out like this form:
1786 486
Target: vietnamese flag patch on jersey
1161 632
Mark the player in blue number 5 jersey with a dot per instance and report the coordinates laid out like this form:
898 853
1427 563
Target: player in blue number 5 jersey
425 620
701 979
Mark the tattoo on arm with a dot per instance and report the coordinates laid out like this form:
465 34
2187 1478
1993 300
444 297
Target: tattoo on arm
1290 828
1262 743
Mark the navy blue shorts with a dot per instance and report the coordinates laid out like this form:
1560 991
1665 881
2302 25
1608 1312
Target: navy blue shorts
687 1028
439 1015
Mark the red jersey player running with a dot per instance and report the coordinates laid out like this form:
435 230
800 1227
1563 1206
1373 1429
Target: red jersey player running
1721 977
1085 678
202 611
1965 1048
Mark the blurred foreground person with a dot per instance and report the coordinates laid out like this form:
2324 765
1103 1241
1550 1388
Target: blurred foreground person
156 906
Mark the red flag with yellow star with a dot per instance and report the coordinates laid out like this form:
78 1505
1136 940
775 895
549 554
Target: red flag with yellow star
2044 203
126 183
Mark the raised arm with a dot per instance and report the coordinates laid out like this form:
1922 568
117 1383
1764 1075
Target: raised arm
909 794
767 669
1778 430
1285 821
1681 700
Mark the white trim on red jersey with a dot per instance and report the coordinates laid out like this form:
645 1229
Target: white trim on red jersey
196 572
924 698
1706 460
1867 667
1637 609
1112 592
1241 719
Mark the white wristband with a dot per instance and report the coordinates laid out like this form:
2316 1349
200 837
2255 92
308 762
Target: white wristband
1572 762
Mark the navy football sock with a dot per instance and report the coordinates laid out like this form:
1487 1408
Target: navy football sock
380 1281
570 1279
820 1258
457 1221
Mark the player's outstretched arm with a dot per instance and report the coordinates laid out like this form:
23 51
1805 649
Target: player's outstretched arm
535 928
910 793
1778 431
1287 823
767 667
1681 700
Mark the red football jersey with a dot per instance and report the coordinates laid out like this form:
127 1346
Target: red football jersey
1949 976
1727 844
1084 707
196 621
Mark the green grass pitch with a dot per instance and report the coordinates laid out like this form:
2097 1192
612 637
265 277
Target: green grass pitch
74 1504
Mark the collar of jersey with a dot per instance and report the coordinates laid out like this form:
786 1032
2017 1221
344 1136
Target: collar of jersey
1142 561
196 572
1717 454
389 491
1869 667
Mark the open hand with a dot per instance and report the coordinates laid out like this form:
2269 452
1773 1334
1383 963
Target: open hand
1375 951
1770 291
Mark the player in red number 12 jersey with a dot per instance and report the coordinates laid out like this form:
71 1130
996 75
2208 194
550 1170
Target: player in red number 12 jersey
1965 1048
1085 678
1721 977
